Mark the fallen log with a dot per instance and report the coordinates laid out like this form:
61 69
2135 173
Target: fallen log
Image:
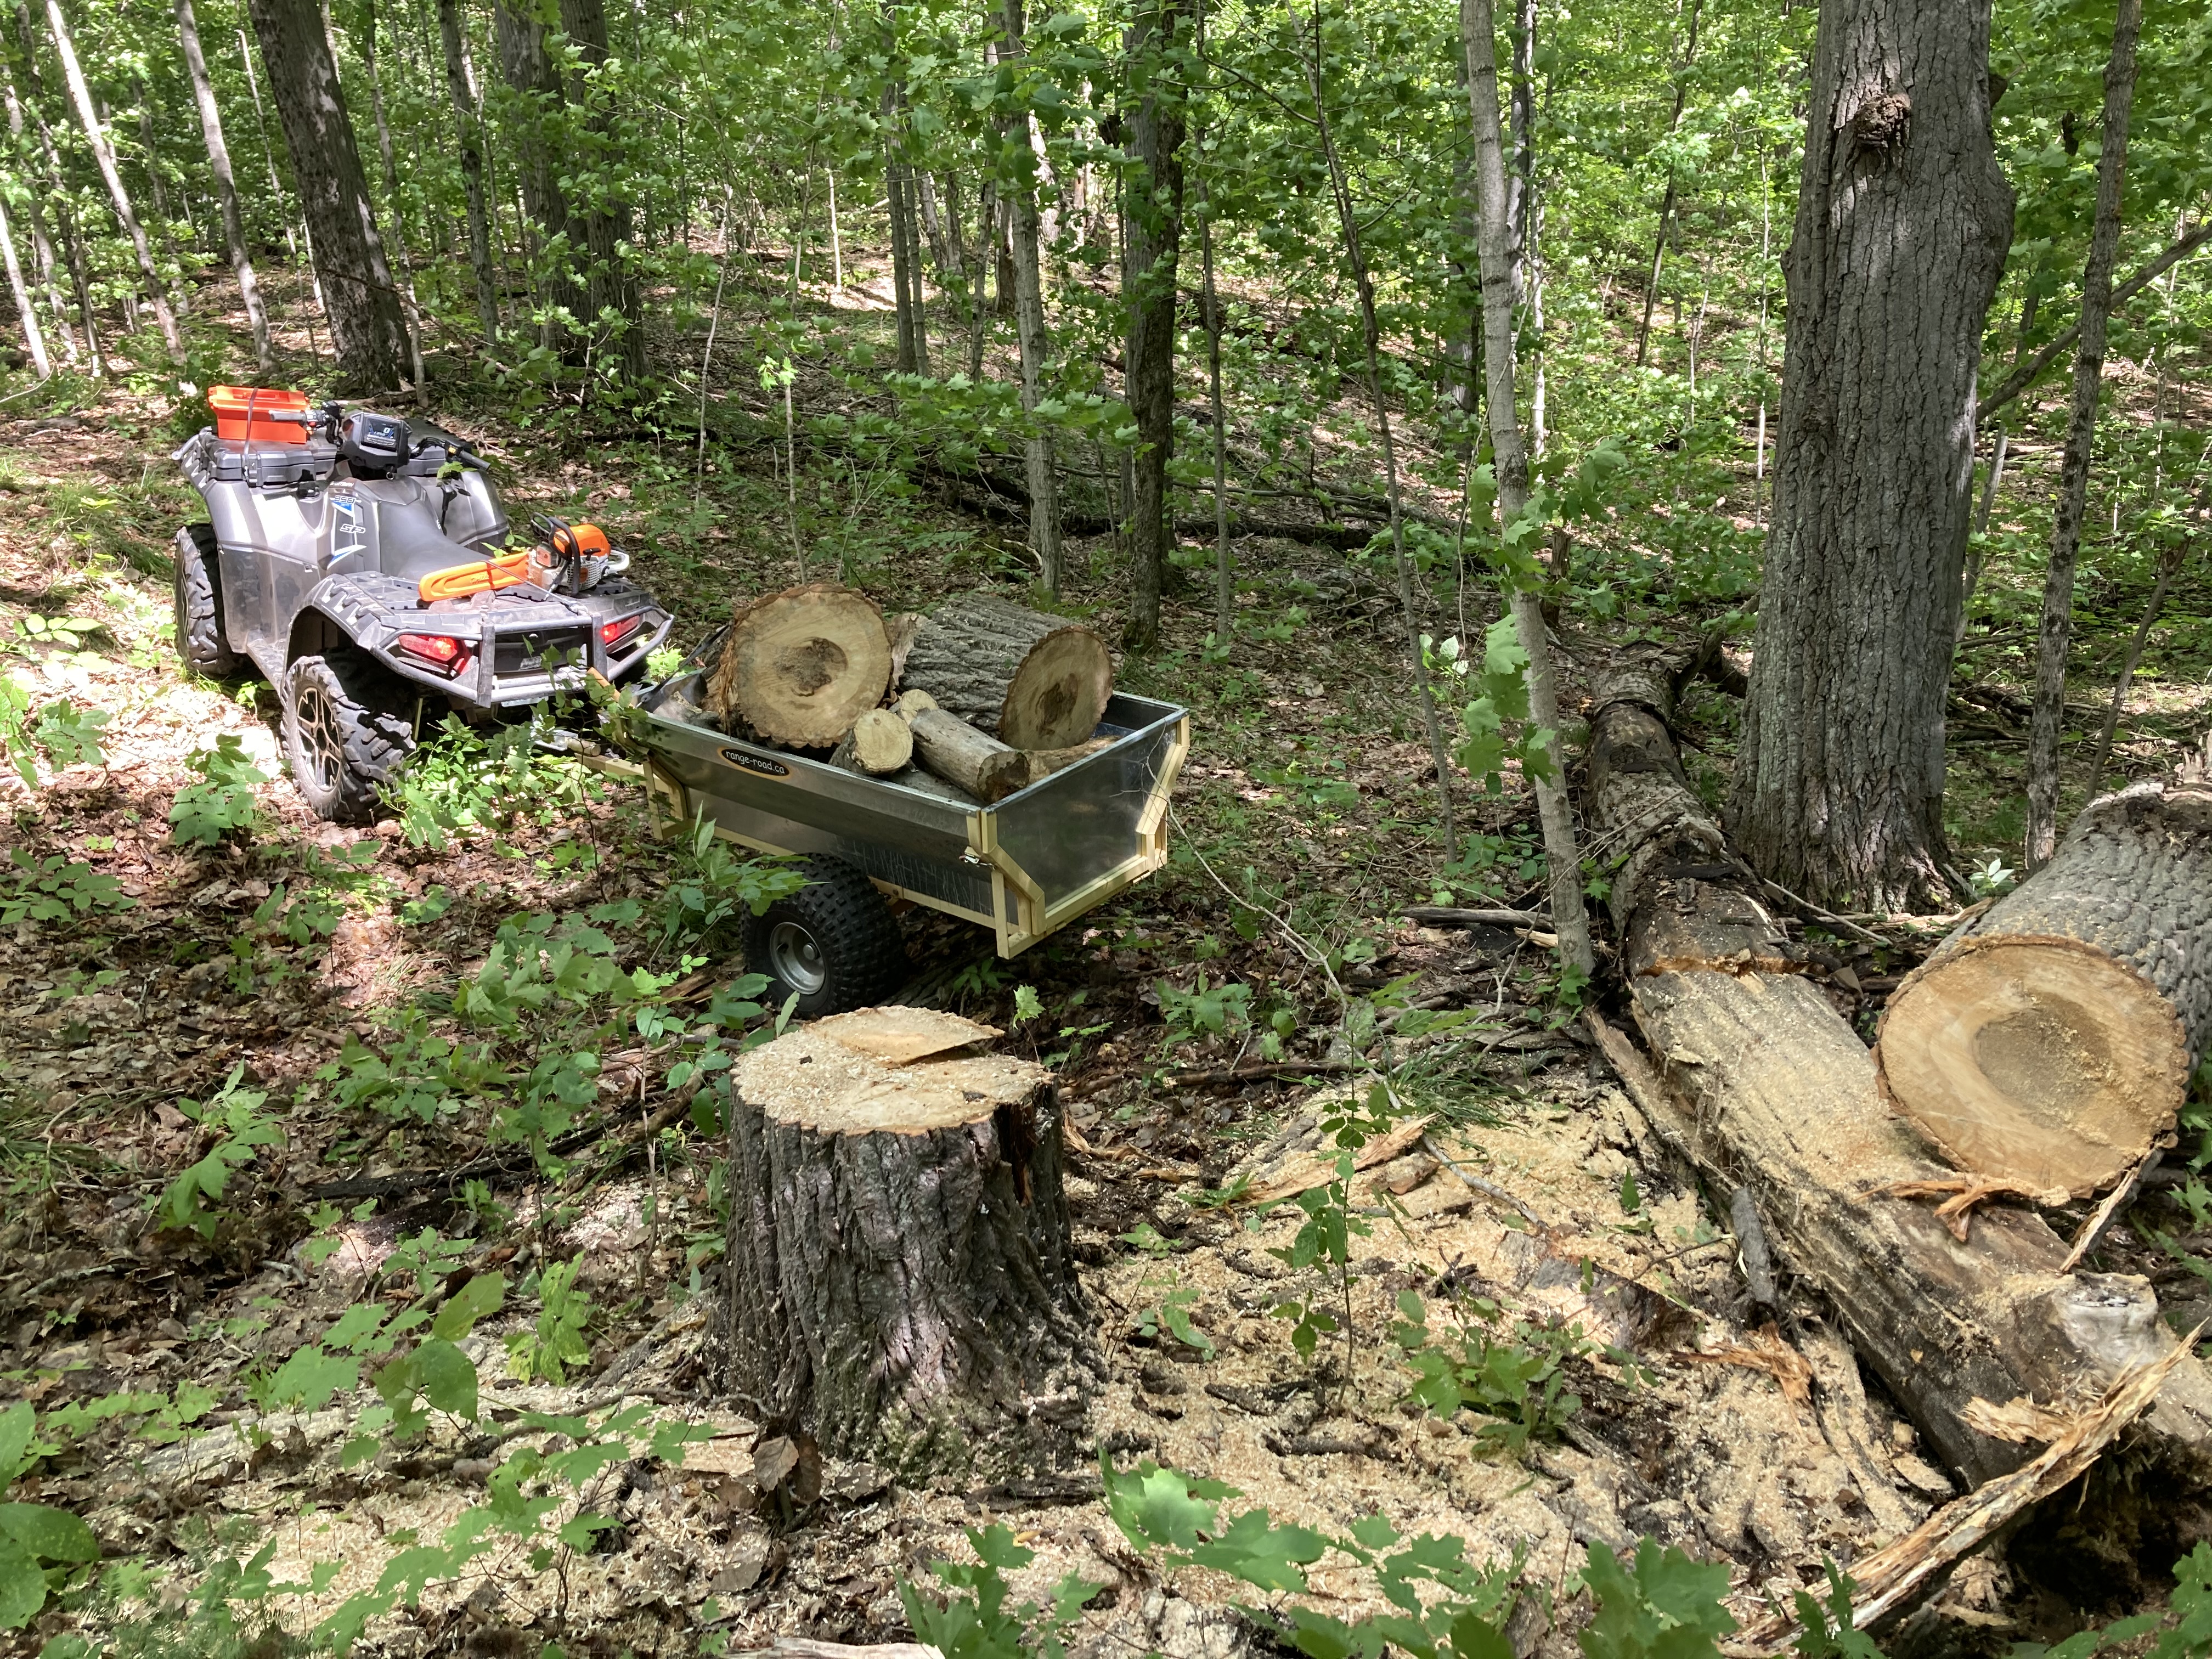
2051 1039
1029 680
798 667
1757 1079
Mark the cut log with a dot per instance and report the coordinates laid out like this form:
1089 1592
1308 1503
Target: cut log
1030 680
911 703
900 1280
1043 762
1761 1083
798 667
986 769
2051 1039
879 744
928 783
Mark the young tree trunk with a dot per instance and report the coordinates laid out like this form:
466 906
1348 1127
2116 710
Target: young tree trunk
1151 246
2058 625
528 70
367 330
42 247
469 137
1562 860
103 155
604 225
1839 781
1666 201
1030 331
34 339
225 186
410 312
2169 566
64 222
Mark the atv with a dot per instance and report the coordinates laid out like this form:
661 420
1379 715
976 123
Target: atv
366 566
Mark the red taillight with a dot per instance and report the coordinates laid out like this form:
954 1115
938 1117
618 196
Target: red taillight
441 651
614 633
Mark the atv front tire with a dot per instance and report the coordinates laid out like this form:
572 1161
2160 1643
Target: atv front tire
346 732
200 642
834 944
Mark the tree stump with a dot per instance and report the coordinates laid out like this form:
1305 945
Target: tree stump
798 667
1029 680
2051 1041
900 1281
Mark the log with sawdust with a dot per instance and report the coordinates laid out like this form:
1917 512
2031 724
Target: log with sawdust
978 764
2051 1039
1029 680
901 1284
879 744
798 667
1753 1074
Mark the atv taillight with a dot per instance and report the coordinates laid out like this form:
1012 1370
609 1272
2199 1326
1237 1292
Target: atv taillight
613 633
440 651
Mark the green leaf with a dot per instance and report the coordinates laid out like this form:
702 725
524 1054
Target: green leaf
445 1377
16 1424
1262 1554
52 1533
312 1378
478 1299
22 1586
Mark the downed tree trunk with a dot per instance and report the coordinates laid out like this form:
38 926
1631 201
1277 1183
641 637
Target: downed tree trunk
2051 1041
798 667
879 744
1030 680
1764 1086
985 768
901 1284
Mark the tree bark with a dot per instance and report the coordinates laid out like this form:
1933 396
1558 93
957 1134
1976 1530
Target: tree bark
34 341
42 248
1839 780
1764 1086
103 155
226 185
980 766
1036 344
1032 681
601 222
1151 244
409 312
1562 859
528 68
64 222
2050 1042
2056 632
2169 566
468 138
901 1283
360 299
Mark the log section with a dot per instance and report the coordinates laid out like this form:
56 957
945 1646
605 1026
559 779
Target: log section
2051 1041
1757 1079
879 744
1029 680
900 1280
798 667
981 765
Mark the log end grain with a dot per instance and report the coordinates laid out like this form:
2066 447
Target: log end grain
1059 694
798 667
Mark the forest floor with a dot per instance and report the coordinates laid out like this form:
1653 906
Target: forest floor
1694 1421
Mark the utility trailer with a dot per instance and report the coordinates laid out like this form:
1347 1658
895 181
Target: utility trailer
1024 867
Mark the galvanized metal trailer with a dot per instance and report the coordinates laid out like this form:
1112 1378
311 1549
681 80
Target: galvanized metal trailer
1023 868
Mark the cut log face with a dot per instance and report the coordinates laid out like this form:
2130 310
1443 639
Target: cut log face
1030 680
879 745
901 1284
798 667
2051 1039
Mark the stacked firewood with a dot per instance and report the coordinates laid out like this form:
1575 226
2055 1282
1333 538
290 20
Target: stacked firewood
975 701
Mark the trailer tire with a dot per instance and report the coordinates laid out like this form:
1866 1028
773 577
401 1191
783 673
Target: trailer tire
200 642
344 733
834 944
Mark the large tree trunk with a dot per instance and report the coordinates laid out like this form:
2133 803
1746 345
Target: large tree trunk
603 221
2057 624
1032 680
359 296
531 74
469 138
2050 1042
1902 222
103 154
1153 208
1030 331
901 1284
1764 1086
225 186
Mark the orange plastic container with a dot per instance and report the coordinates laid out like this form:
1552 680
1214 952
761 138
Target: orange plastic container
262 415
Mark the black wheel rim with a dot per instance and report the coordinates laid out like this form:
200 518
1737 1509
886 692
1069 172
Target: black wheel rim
322 744
795 958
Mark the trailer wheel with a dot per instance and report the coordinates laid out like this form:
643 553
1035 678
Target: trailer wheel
834 944
200 642
344 733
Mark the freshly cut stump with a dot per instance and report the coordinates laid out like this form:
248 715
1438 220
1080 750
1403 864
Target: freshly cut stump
2051 1039
900 1280
981 765
798 667
879 745
1030 680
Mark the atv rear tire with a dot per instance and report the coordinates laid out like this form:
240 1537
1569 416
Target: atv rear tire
200 642
345 732
834 944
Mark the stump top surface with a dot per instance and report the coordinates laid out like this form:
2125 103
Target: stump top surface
809 1078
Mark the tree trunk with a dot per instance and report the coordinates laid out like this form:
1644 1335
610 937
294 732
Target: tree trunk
468 138
2058 625
1032 681
1666 201
368 330
2169 566
33 340
42 247
64 222
1764 1086
1839 781
409 312
901 1283
528 68
798 667
604 224
103 154
1563 861
2052 1040
225 186
1154 206
1030 330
